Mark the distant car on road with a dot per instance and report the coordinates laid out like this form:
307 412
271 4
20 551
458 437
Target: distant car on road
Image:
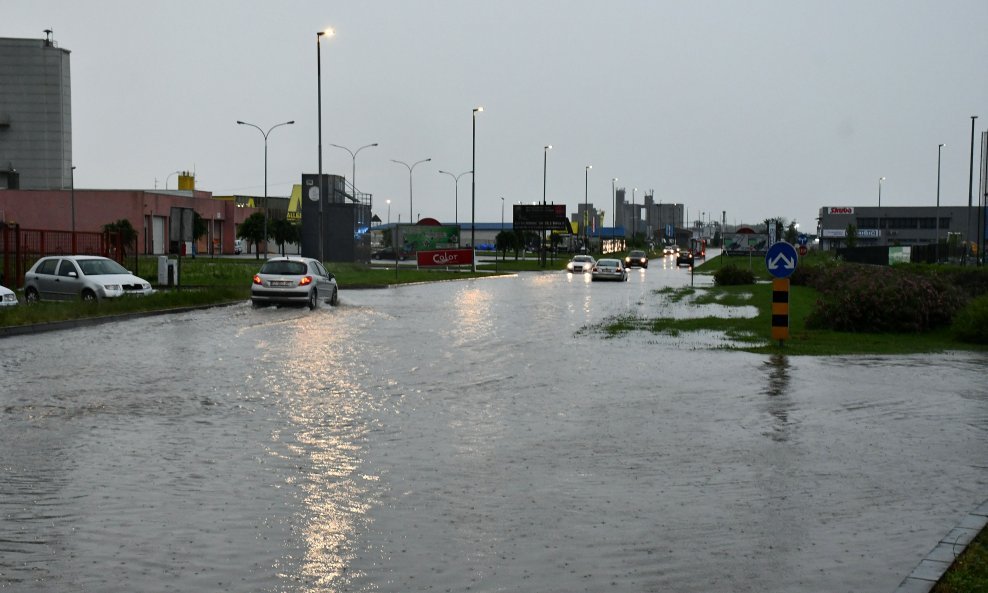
86 277
7 297
609 269
389 254
636 259
685 258
670 250
293 281
580 264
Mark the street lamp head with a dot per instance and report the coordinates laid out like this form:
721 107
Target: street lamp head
240 122
589 167
548 147
941 146
288 123
388 201
328 32
478 109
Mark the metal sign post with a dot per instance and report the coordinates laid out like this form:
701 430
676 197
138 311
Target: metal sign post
781 259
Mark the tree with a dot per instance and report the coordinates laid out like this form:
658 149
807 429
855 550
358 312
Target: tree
791 233
124 230
506 240
852 236
283 231
252 231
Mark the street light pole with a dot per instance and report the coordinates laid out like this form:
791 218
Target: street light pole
265 134
410 168
970 190
880 180
634 216
502 234
322 186
353 157
937 250
613 211
72 193
586 207
473 190
456 201
545 167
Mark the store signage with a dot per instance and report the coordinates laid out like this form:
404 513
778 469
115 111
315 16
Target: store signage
445 257
841 210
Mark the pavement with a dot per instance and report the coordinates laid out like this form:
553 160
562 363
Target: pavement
929 570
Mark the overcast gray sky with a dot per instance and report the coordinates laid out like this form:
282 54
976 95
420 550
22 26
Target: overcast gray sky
760 108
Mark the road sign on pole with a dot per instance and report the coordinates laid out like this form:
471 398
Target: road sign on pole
781 259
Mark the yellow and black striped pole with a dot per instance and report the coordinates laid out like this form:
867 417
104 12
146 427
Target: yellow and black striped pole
780 309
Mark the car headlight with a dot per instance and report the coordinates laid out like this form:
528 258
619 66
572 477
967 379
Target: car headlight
111 286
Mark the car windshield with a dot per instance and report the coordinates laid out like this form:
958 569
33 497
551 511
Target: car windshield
608 263
98 267
582 258
637 254
288 268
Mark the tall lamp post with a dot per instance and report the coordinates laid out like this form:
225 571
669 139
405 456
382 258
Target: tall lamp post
353 157
613 211
970 190
937 250
410 169
265 134
634 216
72 193
456 201
586 207
545 167
880 180
473 189
322 186
502 234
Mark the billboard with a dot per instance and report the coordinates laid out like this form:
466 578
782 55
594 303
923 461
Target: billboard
445 257
745 243
540 217
417 237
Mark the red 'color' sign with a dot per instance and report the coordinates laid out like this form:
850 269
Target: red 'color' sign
445 257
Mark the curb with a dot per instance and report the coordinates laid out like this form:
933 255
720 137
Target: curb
931 568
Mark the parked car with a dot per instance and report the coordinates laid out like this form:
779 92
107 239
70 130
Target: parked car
293 281
580 264
7 297
685 258
389 254
609 269
86 277
636 259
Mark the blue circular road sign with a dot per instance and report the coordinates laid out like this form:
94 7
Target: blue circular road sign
781 259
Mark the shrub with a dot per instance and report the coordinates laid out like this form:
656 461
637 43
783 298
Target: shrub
971 322
732 275
859 298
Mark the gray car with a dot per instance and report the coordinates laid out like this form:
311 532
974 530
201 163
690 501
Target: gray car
293 281
86 277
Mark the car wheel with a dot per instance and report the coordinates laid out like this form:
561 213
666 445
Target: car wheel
88 296
31 295
313 300
335 300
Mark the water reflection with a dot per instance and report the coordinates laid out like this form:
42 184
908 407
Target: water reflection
779 402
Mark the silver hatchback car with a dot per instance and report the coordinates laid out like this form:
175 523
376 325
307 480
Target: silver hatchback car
293 281
86 277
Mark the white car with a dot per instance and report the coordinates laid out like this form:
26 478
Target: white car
293 281
7 297
609 269
86 277
580 264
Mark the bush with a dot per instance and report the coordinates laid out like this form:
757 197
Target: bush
859 298
971 323
732 275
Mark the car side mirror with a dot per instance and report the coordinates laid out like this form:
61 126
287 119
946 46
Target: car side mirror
73 275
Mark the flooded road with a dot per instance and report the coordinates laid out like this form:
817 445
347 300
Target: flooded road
475 435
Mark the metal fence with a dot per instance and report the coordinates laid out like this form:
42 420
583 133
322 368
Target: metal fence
20 248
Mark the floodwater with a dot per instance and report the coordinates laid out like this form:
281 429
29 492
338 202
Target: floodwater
473 436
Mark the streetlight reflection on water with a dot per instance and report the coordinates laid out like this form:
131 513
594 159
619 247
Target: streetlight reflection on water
325 403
